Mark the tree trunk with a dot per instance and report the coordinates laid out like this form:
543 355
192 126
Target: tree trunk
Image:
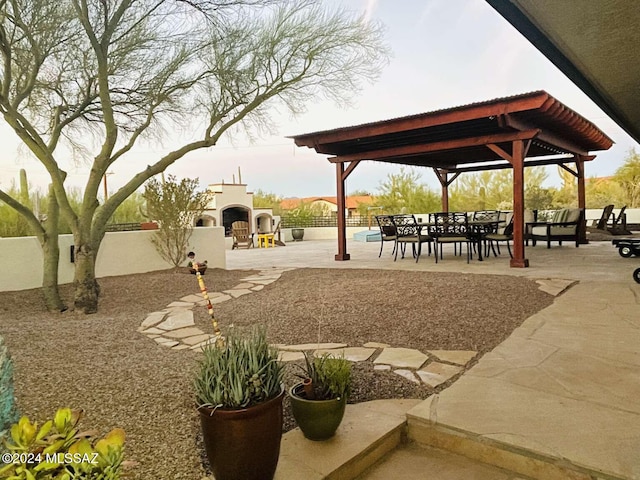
85 284
51 253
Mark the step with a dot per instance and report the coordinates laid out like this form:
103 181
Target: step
528 463
412 461
367 433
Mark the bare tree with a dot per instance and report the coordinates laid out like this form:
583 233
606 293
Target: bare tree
176 206
100 75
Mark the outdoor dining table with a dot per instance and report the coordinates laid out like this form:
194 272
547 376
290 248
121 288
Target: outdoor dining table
477 227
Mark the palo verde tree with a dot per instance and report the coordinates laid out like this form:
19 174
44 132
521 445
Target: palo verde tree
98 76
176 206
47 234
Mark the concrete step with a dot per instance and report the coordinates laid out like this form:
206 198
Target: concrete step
367 433
412 461
526 463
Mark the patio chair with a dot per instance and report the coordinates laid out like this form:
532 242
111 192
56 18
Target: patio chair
241 235
619 224
505 234
482 231
563 226
451 227
408 231
387 231
604 218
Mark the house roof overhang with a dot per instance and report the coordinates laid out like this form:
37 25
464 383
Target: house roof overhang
595 44
456 139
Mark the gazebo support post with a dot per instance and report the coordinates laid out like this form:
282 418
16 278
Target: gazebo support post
582 200
341 177
517 160
445 181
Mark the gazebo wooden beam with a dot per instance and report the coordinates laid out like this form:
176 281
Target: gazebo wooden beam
417 122
527 163
341 177
546 136
418 149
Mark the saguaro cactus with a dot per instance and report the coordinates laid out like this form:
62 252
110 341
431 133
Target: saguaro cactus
8 411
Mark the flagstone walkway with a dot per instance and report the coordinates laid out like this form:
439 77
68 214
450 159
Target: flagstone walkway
174 327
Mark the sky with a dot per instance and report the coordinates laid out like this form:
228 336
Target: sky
445 53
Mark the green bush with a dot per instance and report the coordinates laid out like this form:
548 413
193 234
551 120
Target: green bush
327 377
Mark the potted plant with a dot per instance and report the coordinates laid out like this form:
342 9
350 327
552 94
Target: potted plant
300 217
319 400
239 395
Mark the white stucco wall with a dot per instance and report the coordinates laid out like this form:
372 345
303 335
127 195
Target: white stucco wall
120 253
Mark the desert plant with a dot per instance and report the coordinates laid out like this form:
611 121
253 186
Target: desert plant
243 372
58 450
8 412
325 377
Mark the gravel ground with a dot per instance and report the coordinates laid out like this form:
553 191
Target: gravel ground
122 379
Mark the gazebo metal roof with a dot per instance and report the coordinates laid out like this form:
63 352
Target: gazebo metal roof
455 137
511 132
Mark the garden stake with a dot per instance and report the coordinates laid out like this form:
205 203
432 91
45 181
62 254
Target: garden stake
216 330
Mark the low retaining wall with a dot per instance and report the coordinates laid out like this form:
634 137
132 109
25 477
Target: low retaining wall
121 253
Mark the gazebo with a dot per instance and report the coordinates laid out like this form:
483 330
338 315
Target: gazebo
512 132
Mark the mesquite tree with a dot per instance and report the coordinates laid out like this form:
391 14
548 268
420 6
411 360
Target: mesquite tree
176 206
98 76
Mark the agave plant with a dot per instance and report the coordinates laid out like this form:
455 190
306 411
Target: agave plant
8 411
242 372
325 377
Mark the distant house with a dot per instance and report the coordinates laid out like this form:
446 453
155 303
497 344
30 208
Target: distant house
329 204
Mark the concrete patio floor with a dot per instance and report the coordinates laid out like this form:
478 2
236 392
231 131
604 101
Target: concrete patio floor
557 399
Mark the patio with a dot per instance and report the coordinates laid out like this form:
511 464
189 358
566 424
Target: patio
557 399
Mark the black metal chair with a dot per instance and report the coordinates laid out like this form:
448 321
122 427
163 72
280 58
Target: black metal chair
451 227
481 231
408 231
387 231
501 235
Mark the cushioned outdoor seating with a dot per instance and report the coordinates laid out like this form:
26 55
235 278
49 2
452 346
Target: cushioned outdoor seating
564 225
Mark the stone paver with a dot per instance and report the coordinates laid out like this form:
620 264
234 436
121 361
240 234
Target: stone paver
220 299
436 373
408 374
180 305
312 346
459 357
402 357
177 320
184 332
376 345
152 319
353 354
243 286
554 286
382 367
153 331
257 288
192 298
284 356
196 339
238 293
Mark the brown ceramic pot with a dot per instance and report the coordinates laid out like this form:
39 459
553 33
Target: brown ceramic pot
243 444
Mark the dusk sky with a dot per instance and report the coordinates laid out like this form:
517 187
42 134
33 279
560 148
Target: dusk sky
446 53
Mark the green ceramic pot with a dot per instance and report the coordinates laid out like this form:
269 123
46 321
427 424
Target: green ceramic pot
318 419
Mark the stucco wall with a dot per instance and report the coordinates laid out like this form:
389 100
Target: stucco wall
121 253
